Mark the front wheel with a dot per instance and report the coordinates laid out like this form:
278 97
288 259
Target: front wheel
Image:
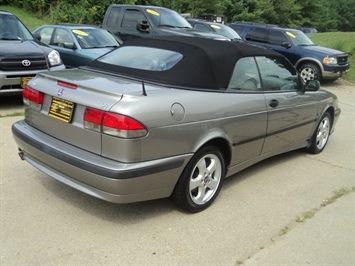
201 181
321 135
309 71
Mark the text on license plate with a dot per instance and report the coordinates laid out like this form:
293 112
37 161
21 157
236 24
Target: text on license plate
61 109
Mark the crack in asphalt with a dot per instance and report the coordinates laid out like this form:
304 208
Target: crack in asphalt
328 163
292 224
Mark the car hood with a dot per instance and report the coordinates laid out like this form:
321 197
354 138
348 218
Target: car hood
22 48
192 32
322 50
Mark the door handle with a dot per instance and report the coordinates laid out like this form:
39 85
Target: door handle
274 103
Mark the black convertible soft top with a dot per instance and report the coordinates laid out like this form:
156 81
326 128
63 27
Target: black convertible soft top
206 63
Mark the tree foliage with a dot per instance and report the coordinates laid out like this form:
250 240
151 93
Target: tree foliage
325 15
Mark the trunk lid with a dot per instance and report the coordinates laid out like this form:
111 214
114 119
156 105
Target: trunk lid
77 90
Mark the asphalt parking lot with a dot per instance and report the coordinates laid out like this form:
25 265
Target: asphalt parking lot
253 221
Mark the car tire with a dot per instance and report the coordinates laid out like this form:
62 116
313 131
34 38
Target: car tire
321 134
309 71
201 180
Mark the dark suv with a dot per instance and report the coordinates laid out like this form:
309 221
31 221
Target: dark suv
311 60
21 56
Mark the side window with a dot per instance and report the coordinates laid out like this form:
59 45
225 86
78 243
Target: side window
245 76
46 34
277 74
277 37
11 27
62 36
131 17
237 28
256 35
113 16
202 27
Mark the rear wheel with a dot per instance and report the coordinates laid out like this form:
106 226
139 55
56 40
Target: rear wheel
309 71
201 180
321 135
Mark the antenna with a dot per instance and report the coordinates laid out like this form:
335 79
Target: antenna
144 92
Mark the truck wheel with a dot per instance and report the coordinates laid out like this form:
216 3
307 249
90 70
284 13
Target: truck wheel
201 181
309 71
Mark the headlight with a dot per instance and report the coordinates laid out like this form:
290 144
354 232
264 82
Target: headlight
330 60
54 58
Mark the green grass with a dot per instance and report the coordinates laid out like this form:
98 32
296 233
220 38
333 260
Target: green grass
29 19
13 114
337 194
343 41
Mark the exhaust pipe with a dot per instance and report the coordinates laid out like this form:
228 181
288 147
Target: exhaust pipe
21 154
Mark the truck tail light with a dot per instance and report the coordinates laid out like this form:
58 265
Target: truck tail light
113 124
32 97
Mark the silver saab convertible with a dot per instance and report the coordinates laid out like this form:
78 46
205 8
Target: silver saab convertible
170 117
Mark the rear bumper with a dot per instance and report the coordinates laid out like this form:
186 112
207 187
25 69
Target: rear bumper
97 176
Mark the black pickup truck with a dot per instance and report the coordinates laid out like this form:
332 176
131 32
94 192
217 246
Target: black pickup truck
127 21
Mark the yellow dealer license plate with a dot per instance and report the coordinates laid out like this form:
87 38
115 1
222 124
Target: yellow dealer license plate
24 81
61 109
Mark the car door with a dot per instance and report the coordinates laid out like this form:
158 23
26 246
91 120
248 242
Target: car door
291 111
281 41
61 41
131 17
257 36
248 128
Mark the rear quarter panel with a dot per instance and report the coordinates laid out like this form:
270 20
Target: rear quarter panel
239 119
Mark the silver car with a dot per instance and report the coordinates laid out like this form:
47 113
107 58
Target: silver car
170 117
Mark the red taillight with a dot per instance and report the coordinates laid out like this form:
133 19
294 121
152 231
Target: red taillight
93 119
113 124
93 116
66 84
121 122
32 95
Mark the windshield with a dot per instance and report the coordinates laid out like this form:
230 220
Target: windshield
167 17
299 38
94 38
143 58
225 31
12 29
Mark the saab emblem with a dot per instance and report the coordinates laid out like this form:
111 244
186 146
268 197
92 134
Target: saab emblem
60 92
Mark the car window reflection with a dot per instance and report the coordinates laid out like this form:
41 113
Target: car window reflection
152 59
245 76
276 74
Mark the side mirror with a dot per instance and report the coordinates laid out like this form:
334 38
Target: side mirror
286 45
69 45
37 36
312 85
143 26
